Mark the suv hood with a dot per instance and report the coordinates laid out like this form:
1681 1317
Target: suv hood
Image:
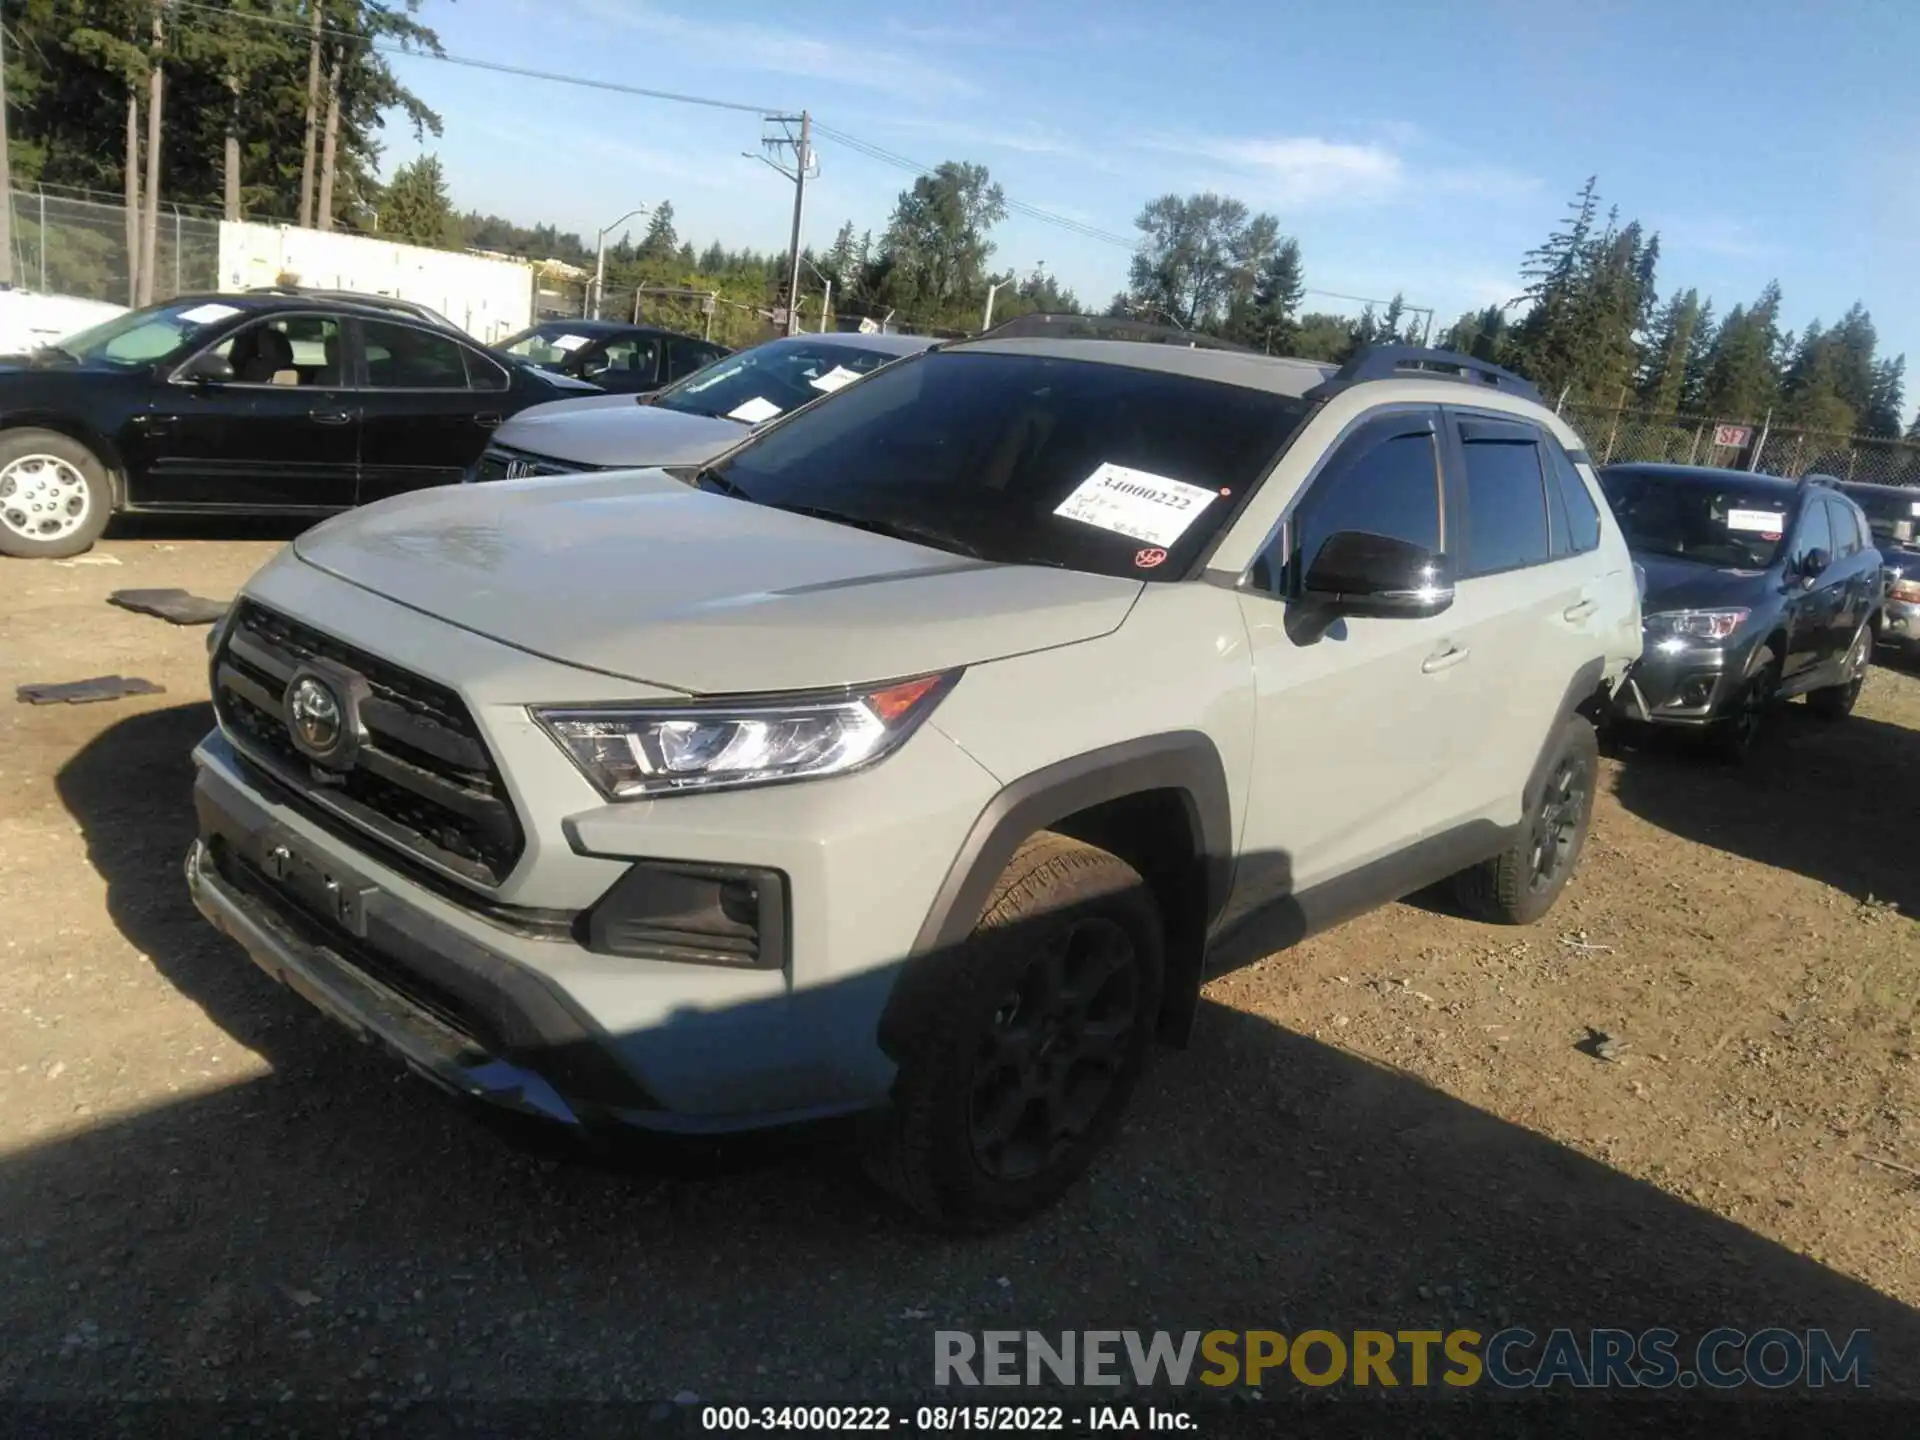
1689 585
639 576
618 430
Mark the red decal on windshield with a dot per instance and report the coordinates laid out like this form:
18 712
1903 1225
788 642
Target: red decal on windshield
1147 559
1769 534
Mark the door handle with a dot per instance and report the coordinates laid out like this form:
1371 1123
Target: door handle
329 417
1580 610
488 419
1444 659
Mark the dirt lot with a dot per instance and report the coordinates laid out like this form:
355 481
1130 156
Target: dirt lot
207 1191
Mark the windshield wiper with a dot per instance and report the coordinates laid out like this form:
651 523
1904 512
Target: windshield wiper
892 528
708 478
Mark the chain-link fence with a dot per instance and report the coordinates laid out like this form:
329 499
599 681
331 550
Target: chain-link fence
68 246
1615 435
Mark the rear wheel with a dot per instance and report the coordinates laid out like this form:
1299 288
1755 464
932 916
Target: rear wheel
55 495
1033 1044
1835 702
1520 884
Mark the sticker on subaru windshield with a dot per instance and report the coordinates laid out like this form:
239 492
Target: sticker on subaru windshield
1147 559
1136 503
1916 507
1766 522
208 314
567 344
754 411
836 377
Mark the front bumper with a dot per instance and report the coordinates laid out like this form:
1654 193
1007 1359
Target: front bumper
1686 685
506 1015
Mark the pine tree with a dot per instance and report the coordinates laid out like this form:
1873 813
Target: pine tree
1699 357
415 207
660 241
1269 320
1546 345
1888 399
1663 378
1810 388
1742 381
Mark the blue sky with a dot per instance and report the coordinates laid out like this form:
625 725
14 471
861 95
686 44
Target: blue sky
1420 147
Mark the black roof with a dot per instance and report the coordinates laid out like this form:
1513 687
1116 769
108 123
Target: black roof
1704 474
1870 487
268 301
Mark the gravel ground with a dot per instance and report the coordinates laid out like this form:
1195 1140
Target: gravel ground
208 1193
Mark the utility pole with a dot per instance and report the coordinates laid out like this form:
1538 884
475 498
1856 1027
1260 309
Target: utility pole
600 256
6 179
986 320
781 135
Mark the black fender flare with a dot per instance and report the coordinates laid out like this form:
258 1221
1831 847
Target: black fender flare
1582 689
1186 762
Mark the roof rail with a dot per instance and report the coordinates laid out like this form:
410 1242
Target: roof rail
1052 326
1392 362
1813 477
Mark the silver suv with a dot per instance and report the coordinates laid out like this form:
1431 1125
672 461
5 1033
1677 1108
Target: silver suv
912 759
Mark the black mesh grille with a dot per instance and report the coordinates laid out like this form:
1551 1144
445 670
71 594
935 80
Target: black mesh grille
423 782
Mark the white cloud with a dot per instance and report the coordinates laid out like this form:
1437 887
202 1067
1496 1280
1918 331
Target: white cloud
1308 172
1717 236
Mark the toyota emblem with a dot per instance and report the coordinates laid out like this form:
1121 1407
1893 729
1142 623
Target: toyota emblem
316 716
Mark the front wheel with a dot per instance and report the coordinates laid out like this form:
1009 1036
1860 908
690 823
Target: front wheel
55 495
1028 1054
1733 737
1835 702
1520 884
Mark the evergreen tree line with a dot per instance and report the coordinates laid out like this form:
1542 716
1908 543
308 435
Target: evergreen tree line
1596 331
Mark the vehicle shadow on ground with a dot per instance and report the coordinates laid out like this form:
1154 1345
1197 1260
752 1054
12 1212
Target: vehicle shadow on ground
208 527
334 1228
1834 801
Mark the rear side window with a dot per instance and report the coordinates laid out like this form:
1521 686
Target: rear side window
400 357
1846 535
1573 499
1506 502
1385 480
482 373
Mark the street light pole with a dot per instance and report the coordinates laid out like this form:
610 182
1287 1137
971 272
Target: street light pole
600 260
802 155
986 320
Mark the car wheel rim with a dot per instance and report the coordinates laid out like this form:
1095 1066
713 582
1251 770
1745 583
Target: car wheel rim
1862 657
1055 1049
43 497
1556 831
1746 721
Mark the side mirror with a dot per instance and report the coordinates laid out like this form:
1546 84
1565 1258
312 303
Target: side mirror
1375 575
1813 565
206 368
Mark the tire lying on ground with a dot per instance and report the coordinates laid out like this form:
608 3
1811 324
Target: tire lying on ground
55 495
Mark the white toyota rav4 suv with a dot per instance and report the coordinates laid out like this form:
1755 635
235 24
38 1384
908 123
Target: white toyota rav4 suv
911 758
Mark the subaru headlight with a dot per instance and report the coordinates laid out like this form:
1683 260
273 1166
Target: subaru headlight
633 753
1695 624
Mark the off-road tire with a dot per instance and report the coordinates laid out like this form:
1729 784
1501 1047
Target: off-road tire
1512 888
923 1147
16 445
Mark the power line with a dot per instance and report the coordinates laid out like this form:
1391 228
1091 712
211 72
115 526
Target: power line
390 47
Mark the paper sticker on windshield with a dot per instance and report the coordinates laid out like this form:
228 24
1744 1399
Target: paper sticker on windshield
754 411
1916 507
1136 503
567 343
1764 522
836 377
208 314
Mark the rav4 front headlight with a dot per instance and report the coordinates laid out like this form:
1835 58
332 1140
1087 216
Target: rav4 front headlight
633 753
1696 624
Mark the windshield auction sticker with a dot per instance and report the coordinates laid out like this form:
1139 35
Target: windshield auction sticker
754 411
1765 521
1136 503
834 379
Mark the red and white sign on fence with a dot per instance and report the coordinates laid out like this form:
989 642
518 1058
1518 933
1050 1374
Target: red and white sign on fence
1734 437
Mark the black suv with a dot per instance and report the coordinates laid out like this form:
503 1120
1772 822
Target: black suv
1893 512
1755 589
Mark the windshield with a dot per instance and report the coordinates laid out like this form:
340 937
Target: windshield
143 336
546 345
1725 524
768 380
1025 459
